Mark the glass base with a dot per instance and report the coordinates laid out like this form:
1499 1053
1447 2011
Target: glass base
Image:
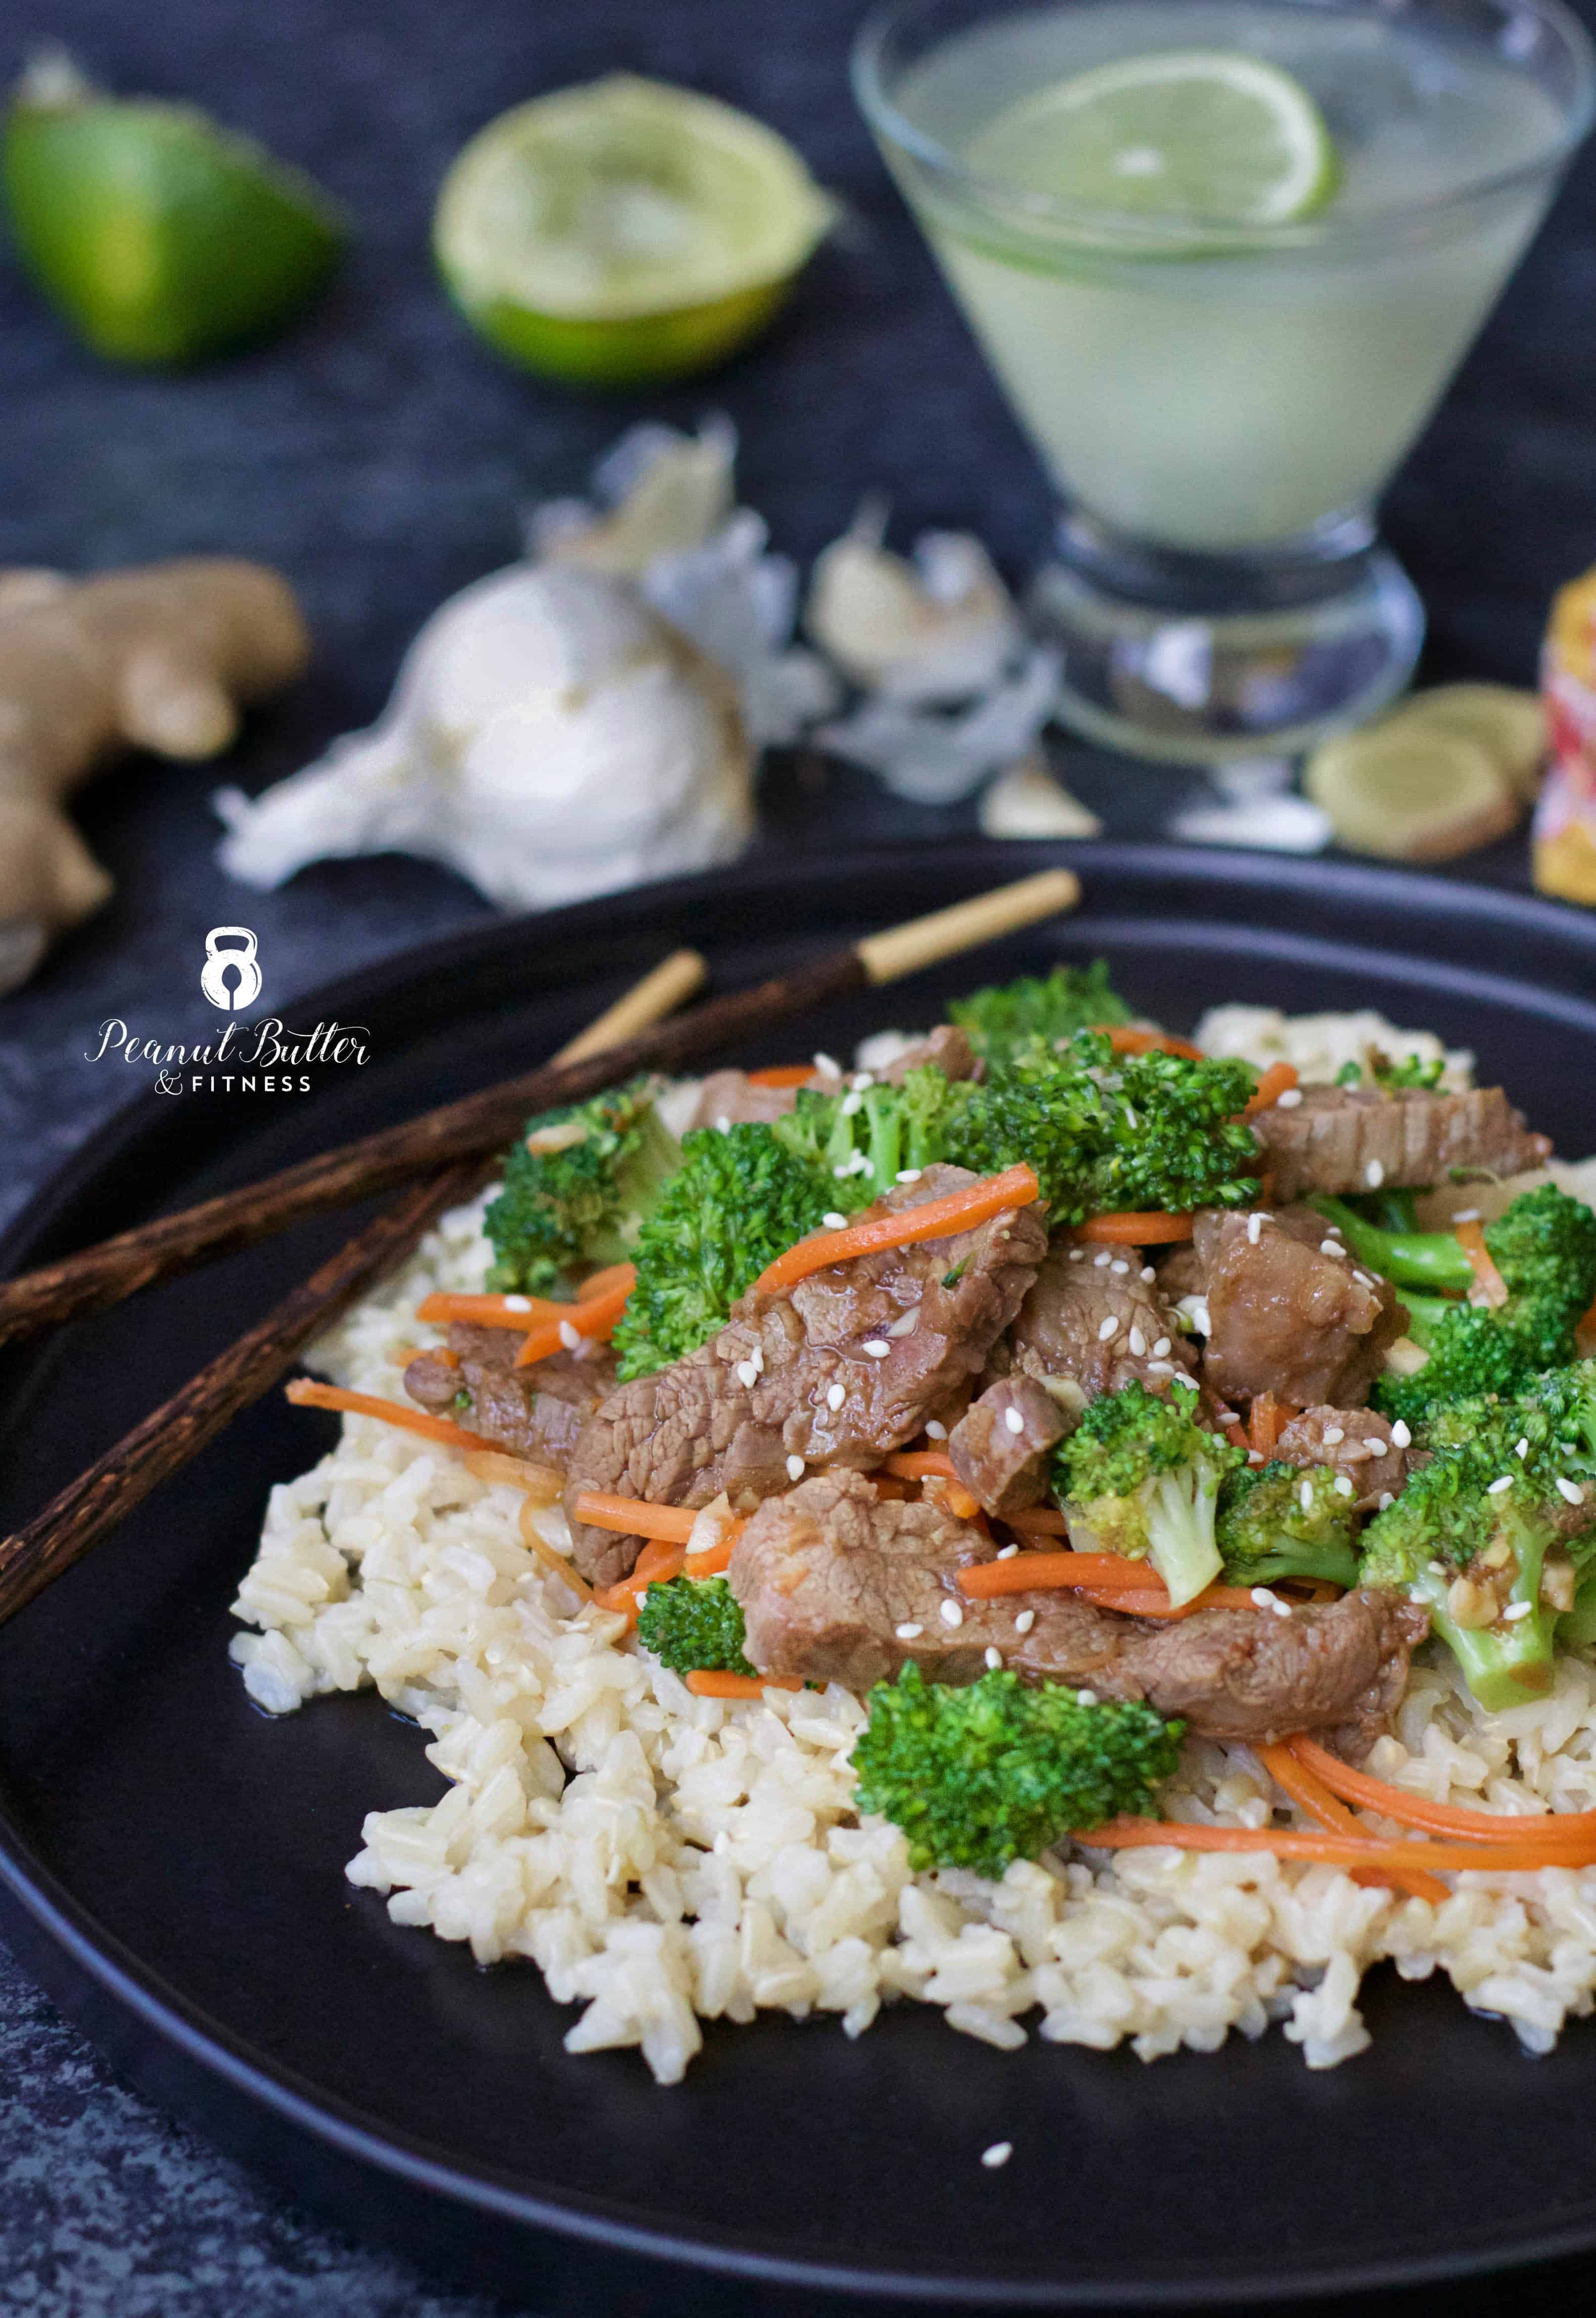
1206 658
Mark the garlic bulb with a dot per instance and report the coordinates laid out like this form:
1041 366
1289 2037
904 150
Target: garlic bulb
549 736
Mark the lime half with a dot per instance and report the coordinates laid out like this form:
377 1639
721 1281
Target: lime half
625 231
1205 134
160 237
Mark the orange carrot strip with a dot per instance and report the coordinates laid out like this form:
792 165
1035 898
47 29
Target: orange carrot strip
539 1545
1134 1227
305 1394
1263 1423
1236 1434
709 1682
403 1354
715 1558
633 1517
1277 1081
1574 1830
601 1282
594 1317
914 1464
1295 1779
1126 1041
1585 1331
519 1312
1489 1286
541 1485
1336 1850
1031 1572
960 1211
1144 1601
782 1075
1036 1521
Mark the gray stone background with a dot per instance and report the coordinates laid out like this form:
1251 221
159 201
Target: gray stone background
380 457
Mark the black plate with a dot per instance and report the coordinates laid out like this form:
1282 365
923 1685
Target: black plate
173 1860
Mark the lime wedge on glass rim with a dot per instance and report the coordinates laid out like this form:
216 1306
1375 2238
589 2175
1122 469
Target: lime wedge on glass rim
1205 134
625 231
160 237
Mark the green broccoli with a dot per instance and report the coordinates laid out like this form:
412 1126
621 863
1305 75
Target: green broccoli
694 1621
1545 1247
1509 1481
1109 1131
1409 1071
981 1776
1000 1021
577 1187
1143 1476
865 1138
739 1200
1287 1521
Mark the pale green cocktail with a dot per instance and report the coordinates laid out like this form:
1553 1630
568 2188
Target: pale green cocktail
1220 397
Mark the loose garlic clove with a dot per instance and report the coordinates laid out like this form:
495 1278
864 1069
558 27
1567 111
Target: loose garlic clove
1027 801
936 627
667 493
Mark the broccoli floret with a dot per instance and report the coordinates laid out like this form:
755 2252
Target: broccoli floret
1508 1481
865 1139
1143 1476
1000 1021
981 1776
694 1622
577 1187
1407 1071
1283 1521
1107 1131
739 1200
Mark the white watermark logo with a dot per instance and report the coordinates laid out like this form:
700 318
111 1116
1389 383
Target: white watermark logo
230 976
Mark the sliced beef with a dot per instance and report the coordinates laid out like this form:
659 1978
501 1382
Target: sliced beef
1064 1335
1353 1441
838 1584
947 1046
535 1412
1290 1312
731 1099
1000 1446
1344 1139
839 1370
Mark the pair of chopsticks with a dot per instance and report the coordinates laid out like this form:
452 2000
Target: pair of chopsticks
443 1157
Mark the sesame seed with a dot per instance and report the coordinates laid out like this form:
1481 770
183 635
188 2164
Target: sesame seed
1086 1697
877 1349
1495 1489
1130 1119
1331 1247
795 1468
852 1104
1024 1621
950 1613
910 1175
1107 1328
1282 1608
1373 1174
1255 1456
758 1358
910 1632
1466 1215
1374 1444
1387 1499
1289 1100
1161 1347
1522 1448
834 1220
723 1124
1306 1496
747 1374
1120 1266
1264 1598
517 1303
1255 1228
934 1429
845 1169
862 1082
1138 1343
1331 1434
1101 1262
1148 1273
1014 1419
1343 1487
905 1323
1515 1611
835 1394
1570 1491
827 1065
1401 1436
569 1336
994 1659
1000 2152
1161 1368
1078 1256
1362 1278
1007 1552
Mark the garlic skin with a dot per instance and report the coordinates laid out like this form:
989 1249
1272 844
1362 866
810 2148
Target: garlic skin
657 492
1028 801
934 627
549 737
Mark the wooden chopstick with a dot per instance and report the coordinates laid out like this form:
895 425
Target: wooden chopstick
480 1125
78 1517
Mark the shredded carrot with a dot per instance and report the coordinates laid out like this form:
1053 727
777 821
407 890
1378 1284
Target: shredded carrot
1335 1850
1031 1572
914 1464
782 1075
593 1318
1146 1602
1236 1434
1263 1423
1277 1080
305 1394
600 1283
1566 1830
518 1312
541 1484
714 1558
659 1561
709 1682
1293 1778
1134 1227
1036 1521
960 1211
535 1543
892 1490
1489 1286
1126 1041
633 1517
403 1354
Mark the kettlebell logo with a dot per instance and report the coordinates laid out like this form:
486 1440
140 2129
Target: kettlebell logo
230 978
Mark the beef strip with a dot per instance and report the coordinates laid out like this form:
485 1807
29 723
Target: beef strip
731 1098
1287 1316
1356 1442
790 1375
1344 1139
836 1584
1059 1336
947 1046
535 1412
1000 1446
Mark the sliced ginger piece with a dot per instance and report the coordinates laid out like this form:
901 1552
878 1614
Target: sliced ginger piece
1509 724
1408 791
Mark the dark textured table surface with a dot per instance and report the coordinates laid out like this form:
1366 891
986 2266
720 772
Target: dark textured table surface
381 458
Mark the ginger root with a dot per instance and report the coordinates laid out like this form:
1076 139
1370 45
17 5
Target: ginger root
161 657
